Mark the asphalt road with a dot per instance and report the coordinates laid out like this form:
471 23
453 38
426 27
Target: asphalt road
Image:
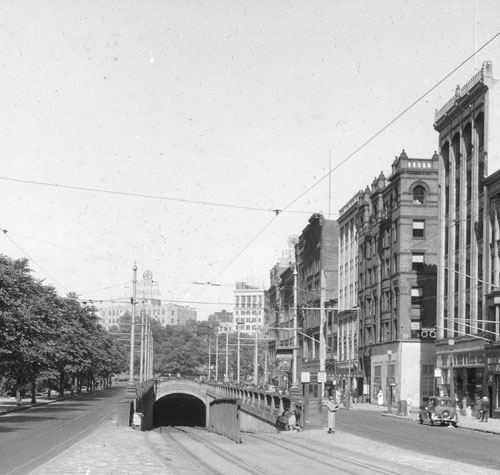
459 445
31 437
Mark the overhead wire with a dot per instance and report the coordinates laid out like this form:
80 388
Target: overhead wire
392 121
5 232
368 141
144 195
277 211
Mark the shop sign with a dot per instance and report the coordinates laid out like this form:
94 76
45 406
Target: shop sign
305 377
322 377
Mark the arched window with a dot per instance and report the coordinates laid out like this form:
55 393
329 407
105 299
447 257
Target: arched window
419 195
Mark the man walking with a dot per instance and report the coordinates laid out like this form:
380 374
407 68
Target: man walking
332 407
485 409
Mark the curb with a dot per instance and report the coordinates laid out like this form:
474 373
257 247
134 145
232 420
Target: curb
43 403
476 429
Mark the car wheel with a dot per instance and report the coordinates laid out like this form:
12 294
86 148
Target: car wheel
420 420
454 424
431 421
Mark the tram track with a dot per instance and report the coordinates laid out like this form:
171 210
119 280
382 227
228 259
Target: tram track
195 450
332 458
200 455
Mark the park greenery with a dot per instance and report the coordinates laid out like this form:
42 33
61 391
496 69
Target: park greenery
48 341
190 350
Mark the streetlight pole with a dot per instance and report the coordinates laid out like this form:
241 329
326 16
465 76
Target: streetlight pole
451 343
256 358
389 388
132 326
295 333
141 359
209 357
238 374
217 354
226 377
349 362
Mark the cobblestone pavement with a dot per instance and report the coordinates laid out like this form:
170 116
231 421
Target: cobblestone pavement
108 450
118 450
112 449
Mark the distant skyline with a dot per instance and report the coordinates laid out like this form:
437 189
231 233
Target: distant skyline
194 138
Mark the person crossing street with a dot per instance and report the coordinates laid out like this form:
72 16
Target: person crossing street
332 407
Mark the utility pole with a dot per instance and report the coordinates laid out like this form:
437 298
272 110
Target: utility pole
295 330
141 359
132 326
217 354
226 377
256 358
209 357
238 375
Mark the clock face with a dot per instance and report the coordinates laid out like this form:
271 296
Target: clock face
148 275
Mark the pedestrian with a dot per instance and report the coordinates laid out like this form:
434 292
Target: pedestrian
292 422
485 409
380 398
332 407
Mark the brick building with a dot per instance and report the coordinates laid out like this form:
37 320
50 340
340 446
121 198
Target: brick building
317 268
397 237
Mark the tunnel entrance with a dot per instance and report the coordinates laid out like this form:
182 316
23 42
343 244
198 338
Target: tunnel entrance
179 410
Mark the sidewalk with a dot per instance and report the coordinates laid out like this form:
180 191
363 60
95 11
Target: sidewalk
8 404
464 422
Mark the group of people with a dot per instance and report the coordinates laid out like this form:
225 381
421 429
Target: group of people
289 417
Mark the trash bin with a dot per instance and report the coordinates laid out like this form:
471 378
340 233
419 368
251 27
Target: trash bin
402 408
137 420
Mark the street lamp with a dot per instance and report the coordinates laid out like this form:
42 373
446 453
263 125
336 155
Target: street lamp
389 388
132 326
295 374
451 343
238 374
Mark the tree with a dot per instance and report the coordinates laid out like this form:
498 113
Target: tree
178 350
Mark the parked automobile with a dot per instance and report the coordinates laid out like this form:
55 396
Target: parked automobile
439 410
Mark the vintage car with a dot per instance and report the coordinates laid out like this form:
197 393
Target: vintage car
439 410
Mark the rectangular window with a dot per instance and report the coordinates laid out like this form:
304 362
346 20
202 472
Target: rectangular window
418 228
416 296
427 380
417 261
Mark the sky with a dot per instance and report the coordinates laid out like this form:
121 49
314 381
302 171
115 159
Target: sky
166 133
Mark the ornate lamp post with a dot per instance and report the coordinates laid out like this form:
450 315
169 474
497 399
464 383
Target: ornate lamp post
389 388
451 344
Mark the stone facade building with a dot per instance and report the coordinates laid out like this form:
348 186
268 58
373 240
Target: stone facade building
344 345
468 269
248 307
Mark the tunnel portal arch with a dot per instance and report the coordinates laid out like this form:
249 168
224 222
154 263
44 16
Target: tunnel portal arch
180 409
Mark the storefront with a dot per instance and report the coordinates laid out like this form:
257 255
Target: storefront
462 364
492 388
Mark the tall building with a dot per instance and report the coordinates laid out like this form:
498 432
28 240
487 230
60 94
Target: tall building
317 268
163 313
223 320
345 329
248 307
468 269
397 237
280 321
